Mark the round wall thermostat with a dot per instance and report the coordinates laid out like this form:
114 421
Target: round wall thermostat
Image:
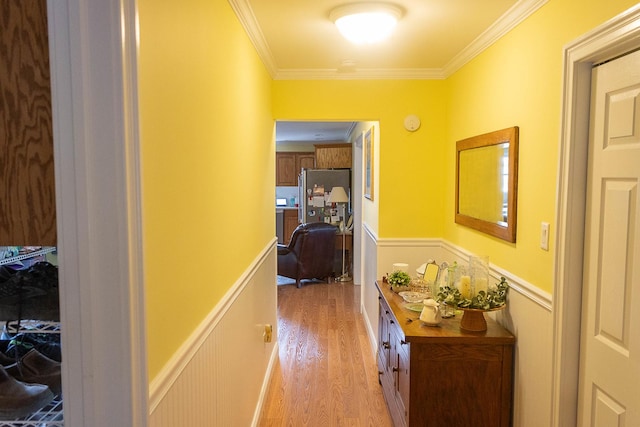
411 123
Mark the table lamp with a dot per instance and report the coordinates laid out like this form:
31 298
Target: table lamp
338 195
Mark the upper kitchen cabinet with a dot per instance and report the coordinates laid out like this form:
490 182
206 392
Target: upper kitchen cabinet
289 165
330 156
27 189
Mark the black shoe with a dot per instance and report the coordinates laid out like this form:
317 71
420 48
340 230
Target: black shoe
31 294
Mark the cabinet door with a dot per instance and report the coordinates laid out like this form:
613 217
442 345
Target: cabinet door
285 169
403 386
333 156
290 224
306 161
399 377
400 368
388 346
384 345
27 192
466 385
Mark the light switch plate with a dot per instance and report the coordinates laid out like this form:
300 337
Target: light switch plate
544 236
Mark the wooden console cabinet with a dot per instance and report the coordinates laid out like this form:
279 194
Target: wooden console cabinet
441 375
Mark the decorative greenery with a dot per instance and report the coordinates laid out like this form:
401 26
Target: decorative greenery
493 298
399 278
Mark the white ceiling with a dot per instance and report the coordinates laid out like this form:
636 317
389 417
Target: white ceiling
314 132
296 40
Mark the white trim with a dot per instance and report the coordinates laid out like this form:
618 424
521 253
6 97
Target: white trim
94 103
514 16
273 360
615 37
404 242
137 313
371 333
516 284
360 74
247 18
172 370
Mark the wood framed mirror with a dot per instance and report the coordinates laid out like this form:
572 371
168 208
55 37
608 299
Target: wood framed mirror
487 183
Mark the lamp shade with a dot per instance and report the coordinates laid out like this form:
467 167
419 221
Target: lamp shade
338 195
366 22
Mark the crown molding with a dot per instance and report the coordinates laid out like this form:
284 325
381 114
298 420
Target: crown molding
360 74
245 14
509 20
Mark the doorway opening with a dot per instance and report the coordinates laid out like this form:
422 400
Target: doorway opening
320 145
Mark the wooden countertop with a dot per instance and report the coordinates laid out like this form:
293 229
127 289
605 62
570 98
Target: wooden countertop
447 332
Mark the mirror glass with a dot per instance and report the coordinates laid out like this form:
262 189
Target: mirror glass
484 173
431 272
486 183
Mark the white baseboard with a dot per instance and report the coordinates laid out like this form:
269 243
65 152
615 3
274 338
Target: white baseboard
265 383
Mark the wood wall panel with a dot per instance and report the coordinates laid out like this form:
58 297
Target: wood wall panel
27 190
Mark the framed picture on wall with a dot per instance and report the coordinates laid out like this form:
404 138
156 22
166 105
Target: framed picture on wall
368 164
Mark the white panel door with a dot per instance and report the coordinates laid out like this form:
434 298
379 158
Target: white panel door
609 390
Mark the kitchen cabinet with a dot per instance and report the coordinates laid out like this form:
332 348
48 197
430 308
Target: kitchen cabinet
290 223
27 193
305 161
330 156
441 375
289 165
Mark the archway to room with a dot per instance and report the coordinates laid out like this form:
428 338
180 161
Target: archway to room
335 145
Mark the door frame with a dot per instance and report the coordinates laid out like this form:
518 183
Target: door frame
93 62
612 39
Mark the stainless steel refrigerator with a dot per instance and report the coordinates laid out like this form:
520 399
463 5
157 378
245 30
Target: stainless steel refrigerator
314 187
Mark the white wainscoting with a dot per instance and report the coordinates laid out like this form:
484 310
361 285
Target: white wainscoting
528 316
220 375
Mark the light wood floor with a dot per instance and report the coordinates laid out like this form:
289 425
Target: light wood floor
326 375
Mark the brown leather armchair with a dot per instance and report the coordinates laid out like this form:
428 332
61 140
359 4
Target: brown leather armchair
309 254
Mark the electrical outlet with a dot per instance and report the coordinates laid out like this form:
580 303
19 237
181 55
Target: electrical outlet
544 236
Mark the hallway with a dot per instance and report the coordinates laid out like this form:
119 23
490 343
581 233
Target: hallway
326 375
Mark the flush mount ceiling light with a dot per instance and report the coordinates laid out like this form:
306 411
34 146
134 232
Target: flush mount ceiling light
366 22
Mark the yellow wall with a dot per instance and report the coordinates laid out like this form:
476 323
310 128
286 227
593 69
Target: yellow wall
410 165
518 82
208 163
